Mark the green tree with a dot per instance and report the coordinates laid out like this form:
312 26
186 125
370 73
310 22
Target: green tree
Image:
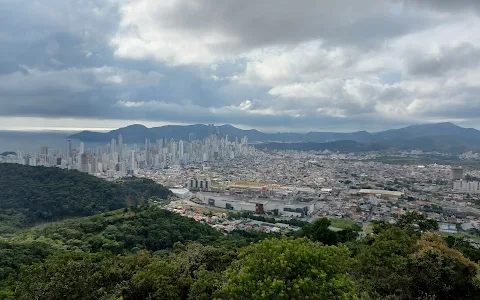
397 265
441 271
206 286
412 222
464 247
159 280
318 231
415 222
30 195
382 266
290 268
75 275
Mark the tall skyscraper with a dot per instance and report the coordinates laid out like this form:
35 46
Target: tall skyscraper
159 145
132 161
191 137
180 149
147 145
173 149
84 162
112 146
94 165
120 146
82 148
68 149
44 151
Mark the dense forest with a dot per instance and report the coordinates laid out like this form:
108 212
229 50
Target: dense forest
148 253
140 251
32 195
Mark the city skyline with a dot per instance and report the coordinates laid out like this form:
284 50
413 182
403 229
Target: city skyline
117 159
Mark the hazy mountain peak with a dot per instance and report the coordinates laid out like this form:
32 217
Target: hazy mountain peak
440 135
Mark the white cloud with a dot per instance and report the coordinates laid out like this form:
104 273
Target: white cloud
258 62
204 32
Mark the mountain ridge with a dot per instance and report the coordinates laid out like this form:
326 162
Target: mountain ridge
138 133
440 137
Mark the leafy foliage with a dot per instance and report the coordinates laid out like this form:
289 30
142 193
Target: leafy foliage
382 267
143 252
30 195
148 228
319 231
396 265
464 247
412 222
15 254
189 272
290 269
441 271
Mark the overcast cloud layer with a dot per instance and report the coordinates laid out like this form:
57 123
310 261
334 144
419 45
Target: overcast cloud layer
276 65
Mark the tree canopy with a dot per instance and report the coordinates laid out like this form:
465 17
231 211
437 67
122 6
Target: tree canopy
31 195
290 269
144 252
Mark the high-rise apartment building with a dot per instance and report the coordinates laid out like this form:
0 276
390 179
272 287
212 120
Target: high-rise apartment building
84 162
120 146
94 165
132 161
82 148
159 145
180 149
147 145
68 149
113 143
457 173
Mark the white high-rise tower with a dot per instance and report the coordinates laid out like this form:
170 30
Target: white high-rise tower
180 149
133 166
68 149
112 146
82 148
120 146
147 145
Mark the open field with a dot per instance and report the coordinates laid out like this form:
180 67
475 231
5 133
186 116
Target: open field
342 223
463 235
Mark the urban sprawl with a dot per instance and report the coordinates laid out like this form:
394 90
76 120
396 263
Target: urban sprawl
218 175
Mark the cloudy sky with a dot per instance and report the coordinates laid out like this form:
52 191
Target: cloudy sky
274 65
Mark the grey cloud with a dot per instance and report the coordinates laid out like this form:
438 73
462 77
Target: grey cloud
262 23
446 5
55 33
92 92
449 59
56 60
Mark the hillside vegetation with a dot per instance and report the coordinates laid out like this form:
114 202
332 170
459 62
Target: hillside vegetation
31 195
144 252
148 253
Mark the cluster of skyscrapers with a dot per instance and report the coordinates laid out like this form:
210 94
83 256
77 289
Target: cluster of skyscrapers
118 157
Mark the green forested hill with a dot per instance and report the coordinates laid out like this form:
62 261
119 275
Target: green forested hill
30 195
148 253
147 228
143 252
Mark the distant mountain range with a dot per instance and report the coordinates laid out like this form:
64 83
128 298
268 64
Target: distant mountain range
442 137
